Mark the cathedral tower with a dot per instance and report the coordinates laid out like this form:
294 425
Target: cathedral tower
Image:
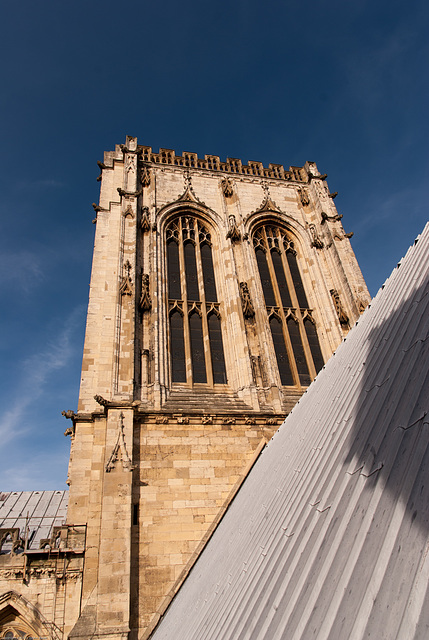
218 291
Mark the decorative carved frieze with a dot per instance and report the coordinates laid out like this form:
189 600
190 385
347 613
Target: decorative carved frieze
182 420
207 419
246 302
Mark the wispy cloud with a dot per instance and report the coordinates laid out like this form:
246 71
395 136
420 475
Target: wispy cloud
21 269
46 471
36 372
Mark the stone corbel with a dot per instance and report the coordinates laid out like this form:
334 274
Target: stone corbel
128 194
336 218
102 402
101 166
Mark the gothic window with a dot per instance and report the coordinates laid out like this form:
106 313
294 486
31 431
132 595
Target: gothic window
292 325
196 347
16 634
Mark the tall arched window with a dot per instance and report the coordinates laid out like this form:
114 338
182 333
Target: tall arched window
292 325
196 347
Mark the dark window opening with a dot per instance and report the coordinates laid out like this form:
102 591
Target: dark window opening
173 270
267 286
298 351
216 348
197 349
196 345
283 289
281 353
314 344
177 348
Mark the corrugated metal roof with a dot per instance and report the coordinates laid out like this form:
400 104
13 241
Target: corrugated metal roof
41 510
328 536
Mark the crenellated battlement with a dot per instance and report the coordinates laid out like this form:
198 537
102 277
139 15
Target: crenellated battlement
232 165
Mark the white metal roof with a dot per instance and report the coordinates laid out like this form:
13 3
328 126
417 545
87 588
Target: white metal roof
40 510
328 536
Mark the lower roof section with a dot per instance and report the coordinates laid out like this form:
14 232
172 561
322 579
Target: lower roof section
40 511
328 536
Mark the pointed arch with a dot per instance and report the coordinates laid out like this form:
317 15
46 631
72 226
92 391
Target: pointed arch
196 345
24 620
286 303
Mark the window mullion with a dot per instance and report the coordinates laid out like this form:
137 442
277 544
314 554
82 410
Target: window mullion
281 312
298 314
206 337
187 337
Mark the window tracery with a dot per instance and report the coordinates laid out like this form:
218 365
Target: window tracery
292 325
196 346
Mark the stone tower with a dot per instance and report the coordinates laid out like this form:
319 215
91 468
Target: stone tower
218 290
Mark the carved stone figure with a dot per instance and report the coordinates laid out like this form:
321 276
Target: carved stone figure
233 231
227 189
144 222
126 286
145 302
342 316
246 302
303 196
317 242
70 415
145 176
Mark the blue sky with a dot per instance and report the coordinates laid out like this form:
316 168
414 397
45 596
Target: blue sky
339 83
